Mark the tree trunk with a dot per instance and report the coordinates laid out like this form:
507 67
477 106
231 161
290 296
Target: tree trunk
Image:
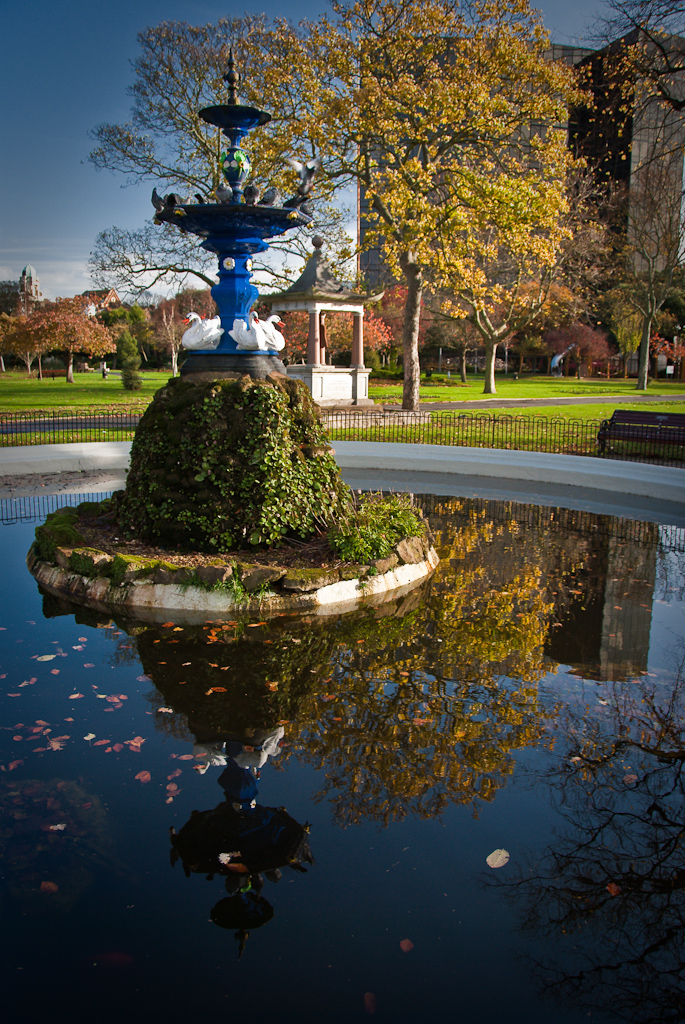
410 334
70 368
2 364
643 362
490 354
462 366
174 362
40 366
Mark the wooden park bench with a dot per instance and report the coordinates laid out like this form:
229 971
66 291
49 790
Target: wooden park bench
661 430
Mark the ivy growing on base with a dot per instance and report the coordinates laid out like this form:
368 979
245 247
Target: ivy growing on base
220 464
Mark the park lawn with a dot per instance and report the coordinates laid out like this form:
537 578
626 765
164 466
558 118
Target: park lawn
438 389
89 393
601 411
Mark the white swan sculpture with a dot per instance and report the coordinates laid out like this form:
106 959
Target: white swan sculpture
203 334
259 336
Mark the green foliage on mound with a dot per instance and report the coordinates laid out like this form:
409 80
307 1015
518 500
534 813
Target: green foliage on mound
370 528
215 465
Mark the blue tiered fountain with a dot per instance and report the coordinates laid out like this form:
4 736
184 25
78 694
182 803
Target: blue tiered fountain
235 228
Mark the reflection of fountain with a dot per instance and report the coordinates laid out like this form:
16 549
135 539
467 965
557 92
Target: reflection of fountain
240 840
235 231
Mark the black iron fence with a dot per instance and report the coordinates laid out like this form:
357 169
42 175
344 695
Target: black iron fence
487 430
475 430
23 428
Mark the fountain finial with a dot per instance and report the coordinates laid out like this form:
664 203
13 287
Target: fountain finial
232 78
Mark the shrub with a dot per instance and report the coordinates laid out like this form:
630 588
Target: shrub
373 525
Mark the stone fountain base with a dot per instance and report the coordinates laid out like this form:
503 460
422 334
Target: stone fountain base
200 368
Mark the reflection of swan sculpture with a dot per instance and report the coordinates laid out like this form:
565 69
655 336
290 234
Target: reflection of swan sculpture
203 333
261 335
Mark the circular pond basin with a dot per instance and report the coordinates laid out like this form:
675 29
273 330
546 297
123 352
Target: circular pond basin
465 802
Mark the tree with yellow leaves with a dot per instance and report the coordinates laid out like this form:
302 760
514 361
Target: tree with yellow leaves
448 117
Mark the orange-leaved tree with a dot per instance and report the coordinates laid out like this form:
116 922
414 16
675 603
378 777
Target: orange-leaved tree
63 326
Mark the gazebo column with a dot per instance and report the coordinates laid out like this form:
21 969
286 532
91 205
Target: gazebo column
314 341
358 339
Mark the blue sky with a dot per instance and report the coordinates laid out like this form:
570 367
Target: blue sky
64 69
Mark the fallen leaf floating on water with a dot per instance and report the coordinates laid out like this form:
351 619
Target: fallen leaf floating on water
101 743
135 743
58 828
143 776
629 779
406 945
369 1002
48 887
613 889
172 787
226 858
83 639
46 657
215 689
167 711
75 696
88 664
497 859
185 757
175 774
89 736
117 747
54 671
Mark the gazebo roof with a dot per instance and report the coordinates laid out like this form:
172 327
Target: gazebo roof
318 284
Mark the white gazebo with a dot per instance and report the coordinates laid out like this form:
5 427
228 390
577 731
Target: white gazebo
319 292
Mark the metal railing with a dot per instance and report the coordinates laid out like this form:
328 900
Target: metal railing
28 428
474 430
35 508
488 430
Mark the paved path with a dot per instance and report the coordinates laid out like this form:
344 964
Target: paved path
495 402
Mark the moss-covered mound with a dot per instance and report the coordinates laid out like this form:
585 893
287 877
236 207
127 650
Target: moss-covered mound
220 464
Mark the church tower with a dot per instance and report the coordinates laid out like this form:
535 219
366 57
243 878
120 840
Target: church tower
29 289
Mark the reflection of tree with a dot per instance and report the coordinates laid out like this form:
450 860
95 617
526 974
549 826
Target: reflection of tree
613 889
432 720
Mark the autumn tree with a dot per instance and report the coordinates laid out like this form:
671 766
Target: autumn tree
447 118
587 345
64 326
27 344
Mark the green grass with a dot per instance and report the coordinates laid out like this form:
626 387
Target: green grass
88 393
600 411
439 389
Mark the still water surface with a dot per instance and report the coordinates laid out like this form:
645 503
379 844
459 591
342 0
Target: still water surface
528 699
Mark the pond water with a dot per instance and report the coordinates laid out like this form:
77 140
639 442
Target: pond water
527 699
